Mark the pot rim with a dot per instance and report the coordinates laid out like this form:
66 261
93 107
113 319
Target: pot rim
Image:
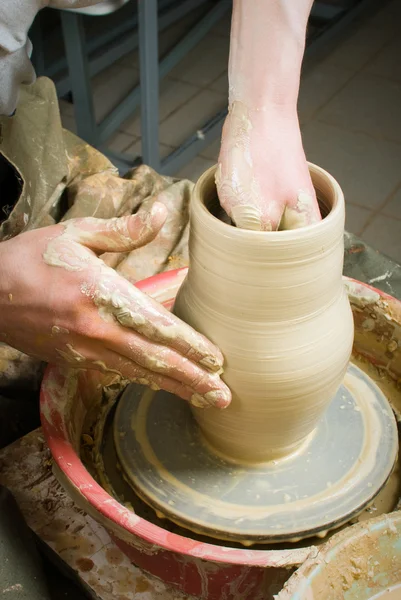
121 521
334 213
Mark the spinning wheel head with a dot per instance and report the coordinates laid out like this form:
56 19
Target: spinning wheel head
333 477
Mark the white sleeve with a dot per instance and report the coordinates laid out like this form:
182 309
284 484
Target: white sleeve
16 17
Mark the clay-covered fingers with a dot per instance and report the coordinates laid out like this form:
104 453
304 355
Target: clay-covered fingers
170 331
135 310
217 396
207 388
263 182
121 234
141 330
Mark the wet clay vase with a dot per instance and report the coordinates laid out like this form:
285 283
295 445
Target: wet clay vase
275 304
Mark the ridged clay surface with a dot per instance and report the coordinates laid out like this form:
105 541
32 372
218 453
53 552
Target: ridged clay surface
275 304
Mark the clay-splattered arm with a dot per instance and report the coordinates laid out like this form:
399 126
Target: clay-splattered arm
61 303
262 178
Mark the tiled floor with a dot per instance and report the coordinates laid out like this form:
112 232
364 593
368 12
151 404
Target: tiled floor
349 109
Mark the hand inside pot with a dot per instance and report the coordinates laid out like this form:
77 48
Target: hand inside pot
263 181
60 303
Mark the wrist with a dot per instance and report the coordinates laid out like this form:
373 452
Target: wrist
274 83
266 52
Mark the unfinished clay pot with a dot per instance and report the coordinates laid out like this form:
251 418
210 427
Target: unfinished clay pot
274 302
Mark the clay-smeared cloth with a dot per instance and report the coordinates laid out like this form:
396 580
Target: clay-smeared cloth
48 175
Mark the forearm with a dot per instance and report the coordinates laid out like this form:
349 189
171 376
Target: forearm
262 178
267 46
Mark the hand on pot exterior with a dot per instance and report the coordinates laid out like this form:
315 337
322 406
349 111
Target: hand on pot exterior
262 179
61 303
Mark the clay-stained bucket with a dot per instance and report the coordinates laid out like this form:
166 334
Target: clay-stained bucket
202 569
360 563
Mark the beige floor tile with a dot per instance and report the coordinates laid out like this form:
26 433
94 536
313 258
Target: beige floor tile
356 218
132 126
393 207
360 44
369 104
119 142
171 36
66 108
388 62
135 149
318 86
195 168
205 62
110 87
192 116
167 39
130 60
68 122
387 18
384 234
221 84
368 170
173 94
212 151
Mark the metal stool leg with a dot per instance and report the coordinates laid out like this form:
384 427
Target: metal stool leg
74 40
149 81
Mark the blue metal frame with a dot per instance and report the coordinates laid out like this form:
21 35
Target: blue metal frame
74 34
149 86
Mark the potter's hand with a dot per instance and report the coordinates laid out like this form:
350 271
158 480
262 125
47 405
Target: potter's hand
262 178
61 303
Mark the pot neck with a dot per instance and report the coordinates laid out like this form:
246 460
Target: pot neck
261 273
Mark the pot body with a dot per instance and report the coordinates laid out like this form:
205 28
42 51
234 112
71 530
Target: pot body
275 304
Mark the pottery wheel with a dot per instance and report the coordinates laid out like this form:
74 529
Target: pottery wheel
336 474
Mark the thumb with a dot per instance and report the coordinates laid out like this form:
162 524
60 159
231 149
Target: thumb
121 234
